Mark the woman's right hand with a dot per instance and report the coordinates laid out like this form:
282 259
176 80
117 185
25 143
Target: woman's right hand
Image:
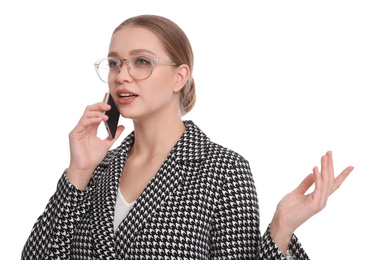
86 148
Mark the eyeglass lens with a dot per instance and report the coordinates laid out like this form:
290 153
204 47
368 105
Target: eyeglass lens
139 67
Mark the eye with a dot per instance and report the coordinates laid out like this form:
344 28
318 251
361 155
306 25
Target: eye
141 61
112 64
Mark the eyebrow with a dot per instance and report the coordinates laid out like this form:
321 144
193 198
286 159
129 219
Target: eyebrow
132 52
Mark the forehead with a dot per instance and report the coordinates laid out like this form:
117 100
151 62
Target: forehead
130 38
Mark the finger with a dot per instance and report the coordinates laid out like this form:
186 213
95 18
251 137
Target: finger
318 179
317 193
327 176
341 177
91 123
329 154
101 106
118 133
305 184
86 126
324 169
319 197
330 172
95 114
91 118
326 188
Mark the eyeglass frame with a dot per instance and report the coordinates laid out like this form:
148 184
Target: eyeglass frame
153 60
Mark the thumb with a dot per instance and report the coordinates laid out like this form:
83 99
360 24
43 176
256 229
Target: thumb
119 131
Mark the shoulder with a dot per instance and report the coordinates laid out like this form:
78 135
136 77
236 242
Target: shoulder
234 179
211 153
226 156
228 166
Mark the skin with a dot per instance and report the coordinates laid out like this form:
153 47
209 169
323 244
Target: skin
297 207
158 126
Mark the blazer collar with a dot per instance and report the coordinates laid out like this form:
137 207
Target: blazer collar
193 144
121 152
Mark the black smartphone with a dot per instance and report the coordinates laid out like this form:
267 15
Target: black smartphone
113 114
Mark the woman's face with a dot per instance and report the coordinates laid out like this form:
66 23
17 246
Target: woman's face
153 95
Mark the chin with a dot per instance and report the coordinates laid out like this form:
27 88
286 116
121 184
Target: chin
130 113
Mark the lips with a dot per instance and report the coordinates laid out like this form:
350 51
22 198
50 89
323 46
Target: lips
126 96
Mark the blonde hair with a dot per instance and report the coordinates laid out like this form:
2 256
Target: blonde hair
176 44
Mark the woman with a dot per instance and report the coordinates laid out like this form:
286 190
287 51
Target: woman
167 190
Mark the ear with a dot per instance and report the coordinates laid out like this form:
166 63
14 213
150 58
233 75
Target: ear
182 76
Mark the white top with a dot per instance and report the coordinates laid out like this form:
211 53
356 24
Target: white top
122 209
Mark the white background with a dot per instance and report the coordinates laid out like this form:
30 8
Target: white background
280 82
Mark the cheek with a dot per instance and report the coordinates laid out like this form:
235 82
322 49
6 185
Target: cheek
112 90
159 88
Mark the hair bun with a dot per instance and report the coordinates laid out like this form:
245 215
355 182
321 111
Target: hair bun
187 100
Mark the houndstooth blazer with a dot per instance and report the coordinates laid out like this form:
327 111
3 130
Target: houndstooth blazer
201 204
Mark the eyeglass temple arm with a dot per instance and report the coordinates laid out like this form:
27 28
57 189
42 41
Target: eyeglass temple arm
168 62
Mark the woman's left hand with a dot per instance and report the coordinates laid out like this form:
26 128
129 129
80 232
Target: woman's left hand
296 207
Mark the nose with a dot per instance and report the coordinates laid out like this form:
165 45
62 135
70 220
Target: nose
124 74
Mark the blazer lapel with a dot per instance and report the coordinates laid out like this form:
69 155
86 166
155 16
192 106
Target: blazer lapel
191 147
106 180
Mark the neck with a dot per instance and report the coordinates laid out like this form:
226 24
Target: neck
156 136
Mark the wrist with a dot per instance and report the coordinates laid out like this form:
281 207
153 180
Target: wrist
78 178
281 235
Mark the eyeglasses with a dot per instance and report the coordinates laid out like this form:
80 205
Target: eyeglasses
139 67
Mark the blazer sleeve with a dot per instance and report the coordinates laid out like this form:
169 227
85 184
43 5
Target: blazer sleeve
236 230
53 231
